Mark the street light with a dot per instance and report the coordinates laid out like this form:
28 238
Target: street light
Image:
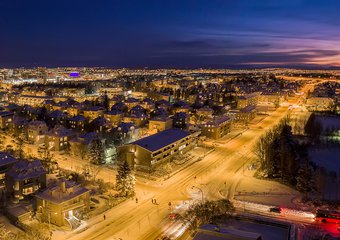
199 190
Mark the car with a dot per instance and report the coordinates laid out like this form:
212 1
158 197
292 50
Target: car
275 210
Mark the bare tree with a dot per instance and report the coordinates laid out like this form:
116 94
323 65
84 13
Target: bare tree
93 170
83 151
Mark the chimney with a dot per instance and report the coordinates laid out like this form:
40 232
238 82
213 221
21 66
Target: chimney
63 186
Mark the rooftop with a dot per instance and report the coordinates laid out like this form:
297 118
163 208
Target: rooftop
6 113
62 191
6 159
218 121
25 169
161 139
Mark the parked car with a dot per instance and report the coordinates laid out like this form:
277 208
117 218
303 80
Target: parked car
275 209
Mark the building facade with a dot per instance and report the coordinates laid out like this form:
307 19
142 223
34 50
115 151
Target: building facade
164 146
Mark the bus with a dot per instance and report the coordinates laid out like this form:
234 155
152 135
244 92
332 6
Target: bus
327 216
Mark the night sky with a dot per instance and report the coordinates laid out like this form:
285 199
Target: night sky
169 33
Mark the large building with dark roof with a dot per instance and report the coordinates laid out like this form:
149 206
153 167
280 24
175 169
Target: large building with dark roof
164 146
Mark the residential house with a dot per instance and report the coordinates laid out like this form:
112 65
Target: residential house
181 120
63 203
244 115
157 96
5 119
58 138
25 178
114 117
110 91
126 132
36 131
138 118
163 104
34 101
217 128
148 104
101 124
93 112
6 162
205 112
18 126
181 106
119 106
131 102
77 122
56 117
246 100
160 123
74 108
79 145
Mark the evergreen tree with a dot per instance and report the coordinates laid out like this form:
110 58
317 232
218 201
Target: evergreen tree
305 181
19 152
106 102
97 152
125 180
288 155
208 212
46 159
313 128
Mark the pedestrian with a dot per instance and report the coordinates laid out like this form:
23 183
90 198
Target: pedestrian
104 217
136 200
152 200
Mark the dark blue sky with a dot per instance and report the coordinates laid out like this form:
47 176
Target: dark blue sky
186 34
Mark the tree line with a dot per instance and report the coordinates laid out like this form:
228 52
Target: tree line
282 157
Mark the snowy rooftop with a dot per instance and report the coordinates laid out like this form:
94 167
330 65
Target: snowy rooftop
36 124
78 118
6 113
132 100
6 159
248 109
205 109
163 102
180 115
161 118
161 139
60 132
126 127
57 193
218 121
19 120
26 169
113 112
57 114
94 108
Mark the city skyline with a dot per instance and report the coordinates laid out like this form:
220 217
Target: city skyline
176 34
